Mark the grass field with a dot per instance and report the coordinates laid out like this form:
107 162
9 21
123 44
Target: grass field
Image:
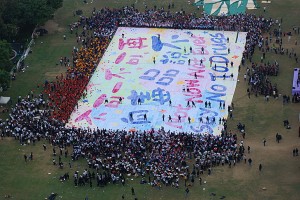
280 174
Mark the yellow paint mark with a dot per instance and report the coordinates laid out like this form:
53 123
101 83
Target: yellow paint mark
180 83
119 111
115 124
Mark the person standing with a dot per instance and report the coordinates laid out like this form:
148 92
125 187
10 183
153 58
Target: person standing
170 118
179 118
132 191
188 104
187 191
264 141
230 115
106 100
248 92
277 137
193 104
207 119
260 167
250 161
294 152
130 116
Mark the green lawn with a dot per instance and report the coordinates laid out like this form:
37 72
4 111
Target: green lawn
36 179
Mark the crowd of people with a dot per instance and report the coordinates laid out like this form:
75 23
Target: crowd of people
161 156
164 157
94 34
296 98
258 79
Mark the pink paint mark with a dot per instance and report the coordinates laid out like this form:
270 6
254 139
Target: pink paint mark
99 118
85 116
89 86
109 75
192 83
133 61
125 73
117 87
195 98
99 101
114 103
174 124
120 58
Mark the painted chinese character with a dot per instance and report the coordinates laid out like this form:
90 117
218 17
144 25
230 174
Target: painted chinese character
174 58
137 117
138 99
157 44
100 117
160 95
109 75
132 43
114 103
85 116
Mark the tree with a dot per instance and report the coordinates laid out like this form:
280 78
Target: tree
34 12
4 79
23 15
9 13
5 54
55 3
